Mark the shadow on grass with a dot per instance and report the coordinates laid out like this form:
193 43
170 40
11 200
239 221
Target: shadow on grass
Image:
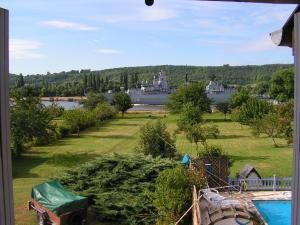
125 124
23 164
69 159
217 120
233 136
117 136
236 158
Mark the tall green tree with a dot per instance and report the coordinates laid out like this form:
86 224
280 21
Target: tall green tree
20 81
122 102
253 110
29 120
189 116
282 85
240 97
193 93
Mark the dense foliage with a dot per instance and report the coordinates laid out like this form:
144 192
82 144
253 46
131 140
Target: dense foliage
253 109
30 122
92 100
278 123
173 192
78 119
122 102
119 187
189 116
282 86
156 141
240 97
193 93
215 151
200 133
224 107
76 82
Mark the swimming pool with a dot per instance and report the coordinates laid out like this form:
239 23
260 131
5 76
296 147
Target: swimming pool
275 212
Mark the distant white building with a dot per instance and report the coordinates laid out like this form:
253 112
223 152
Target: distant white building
214 87
217 93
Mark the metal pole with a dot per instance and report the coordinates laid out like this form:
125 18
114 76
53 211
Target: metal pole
296 183
6 189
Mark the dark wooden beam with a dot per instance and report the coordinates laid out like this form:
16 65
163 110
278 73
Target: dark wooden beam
259 1
6 189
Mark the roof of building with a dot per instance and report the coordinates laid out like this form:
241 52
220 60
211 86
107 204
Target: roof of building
244 173
284 36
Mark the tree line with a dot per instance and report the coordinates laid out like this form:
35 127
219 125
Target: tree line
79 82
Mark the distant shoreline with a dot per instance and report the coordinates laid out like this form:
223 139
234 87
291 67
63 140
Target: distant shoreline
64 99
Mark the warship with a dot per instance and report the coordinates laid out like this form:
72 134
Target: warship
155 93
158 91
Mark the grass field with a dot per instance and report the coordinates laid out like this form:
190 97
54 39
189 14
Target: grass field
121 135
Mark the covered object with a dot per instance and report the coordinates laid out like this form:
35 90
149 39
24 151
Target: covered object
53 196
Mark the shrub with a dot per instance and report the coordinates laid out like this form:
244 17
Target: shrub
104 111
119 187
215 151
155 140
55 110
64 131
122 102
78 119
254 109
193 93
173 192
189 116
92 100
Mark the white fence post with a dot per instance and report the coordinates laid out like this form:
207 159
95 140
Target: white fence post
274 182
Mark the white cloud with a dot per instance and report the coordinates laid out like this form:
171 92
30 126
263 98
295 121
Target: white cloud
24 49
259 45
108 51
157 14
69 25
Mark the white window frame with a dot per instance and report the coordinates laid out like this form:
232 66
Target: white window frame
6 188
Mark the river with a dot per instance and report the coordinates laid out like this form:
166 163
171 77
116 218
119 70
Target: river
137 107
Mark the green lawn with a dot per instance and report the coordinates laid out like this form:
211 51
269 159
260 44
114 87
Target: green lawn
121 135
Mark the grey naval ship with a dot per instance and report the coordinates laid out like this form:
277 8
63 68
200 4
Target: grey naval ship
155 93
158 92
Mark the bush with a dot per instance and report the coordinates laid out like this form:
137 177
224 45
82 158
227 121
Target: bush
215 151
122 102
93 99
155 140
64 131
173 192
193 93
78 119
104 111
189 116
55 110
119 187
254 109
50 137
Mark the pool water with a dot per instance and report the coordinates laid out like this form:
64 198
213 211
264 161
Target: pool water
275 212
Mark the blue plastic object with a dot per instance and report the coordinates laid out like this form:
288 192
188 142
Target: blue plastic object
186 160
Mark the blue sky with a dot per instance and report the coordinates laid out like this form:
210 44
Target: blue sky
57 35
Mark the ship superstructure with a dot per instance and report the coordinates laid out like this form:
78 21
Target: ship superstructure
155 93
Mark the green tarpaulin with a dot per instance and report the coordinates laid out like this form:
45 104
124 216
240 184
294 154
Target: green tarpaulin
57 199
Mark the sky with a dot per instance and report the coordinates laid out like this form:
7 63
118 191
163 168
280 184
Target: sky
61 35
